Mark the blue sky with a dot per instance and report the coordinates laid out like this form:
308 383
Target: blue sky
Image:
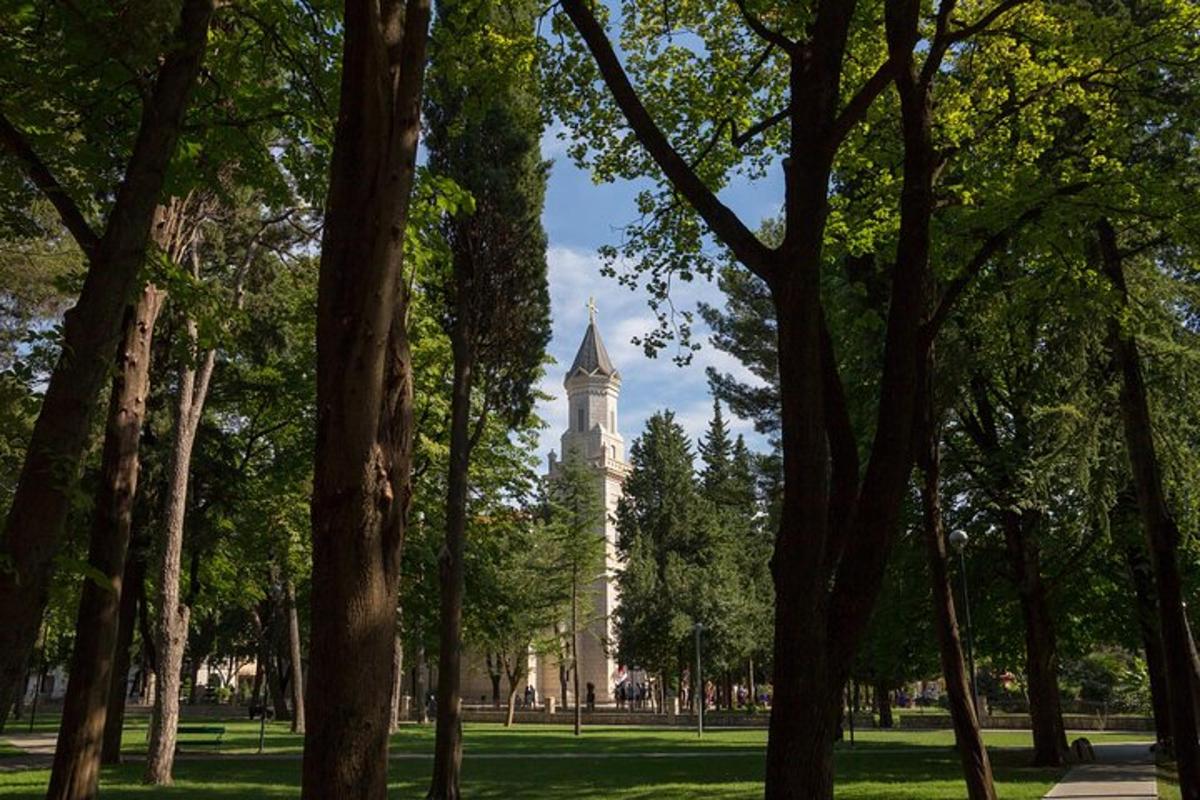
580 216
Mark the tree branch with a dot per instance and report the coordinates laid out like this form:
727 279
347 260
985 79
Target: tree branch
967 31
774 37
858 105
41 176
991 246
724 224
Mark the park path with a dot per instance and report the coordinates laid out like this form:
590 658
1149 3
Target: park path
1120 772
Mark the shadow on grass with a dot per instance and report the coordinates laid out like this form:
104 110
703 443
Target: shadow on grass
869 772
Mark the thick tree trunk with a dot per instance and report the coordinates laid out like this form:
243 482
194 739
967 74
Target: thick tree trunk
977 768
293 620
76 770
1141 575
361 487
836 525
1159 526
194 695
883 702
173 613
118 691
447 753
1195 656
1041 655
514 682
277 684
493 668
91 330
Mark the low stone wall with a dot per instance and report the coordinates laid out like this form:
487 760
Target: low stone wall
713 719
1018 722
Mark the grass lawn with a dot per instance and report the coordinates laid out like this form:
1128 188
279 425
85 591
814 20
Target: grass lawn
622 763
1168 782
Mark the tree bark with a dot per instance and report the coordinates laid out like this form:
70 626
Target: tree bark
397 682
977 768
1041 652
76 769
883 700
493 668
834 531
1159 526
173 613
515 674
447 753
1141 575
118 691
293 620
361 488
91 330
277 682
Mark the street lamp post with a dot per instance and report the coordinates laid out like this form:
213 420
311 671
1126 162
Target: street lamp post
959 541
699 690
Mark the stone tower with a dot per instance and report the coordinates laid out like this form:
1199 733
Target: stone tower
593 387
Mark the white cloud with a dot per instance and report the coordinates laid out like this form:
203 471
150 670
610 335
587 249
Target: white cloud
648 384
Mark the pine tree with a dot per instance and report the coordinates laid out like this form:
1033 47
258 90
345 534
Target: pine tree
667 538
716 452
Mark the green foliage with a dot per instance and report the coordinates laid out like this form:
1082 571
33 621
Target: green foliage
694 550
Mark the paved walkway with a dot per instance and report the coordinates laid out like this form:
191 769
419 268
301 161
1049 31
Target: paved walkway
1120 772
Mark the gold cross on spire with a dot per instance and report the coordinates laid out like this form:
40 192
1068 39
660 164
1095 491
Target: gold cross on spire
591 307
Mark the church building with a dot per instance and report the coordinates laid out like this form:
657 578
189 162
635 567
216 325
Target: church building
593 387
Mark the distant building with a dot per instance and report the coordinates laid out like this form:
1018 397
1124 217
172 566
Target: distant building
593 387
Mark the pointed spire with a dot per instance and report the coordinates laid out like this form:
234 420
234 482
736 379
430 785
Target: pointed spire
592 358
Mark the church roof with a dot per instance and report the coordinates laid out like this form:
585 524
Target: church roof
592 358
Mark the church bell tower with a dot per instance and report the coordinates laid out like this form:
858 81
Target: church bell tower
593 387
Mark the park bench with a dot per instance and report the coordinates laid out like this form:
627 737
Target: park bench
202 730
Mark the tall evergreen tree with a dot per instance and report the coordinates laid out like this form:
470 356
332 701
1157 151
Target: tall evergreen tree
716 452
485 127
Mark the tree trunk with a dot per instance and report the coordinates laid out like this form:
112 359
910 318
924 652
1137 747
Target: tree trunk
575 646
564 669
514 682
397 682
493 668
38 512
1041 657
277 684
419 690
977 768
76 770
173 612
883 701
1159 526
1141 575
294 657
194 663
361 486
1195 656
447 753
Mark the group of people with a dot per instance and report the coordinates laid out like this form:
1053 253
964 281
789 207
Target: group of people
633 696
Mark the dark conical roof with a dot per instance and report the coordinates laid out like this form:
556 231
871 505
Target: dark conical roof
592 358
